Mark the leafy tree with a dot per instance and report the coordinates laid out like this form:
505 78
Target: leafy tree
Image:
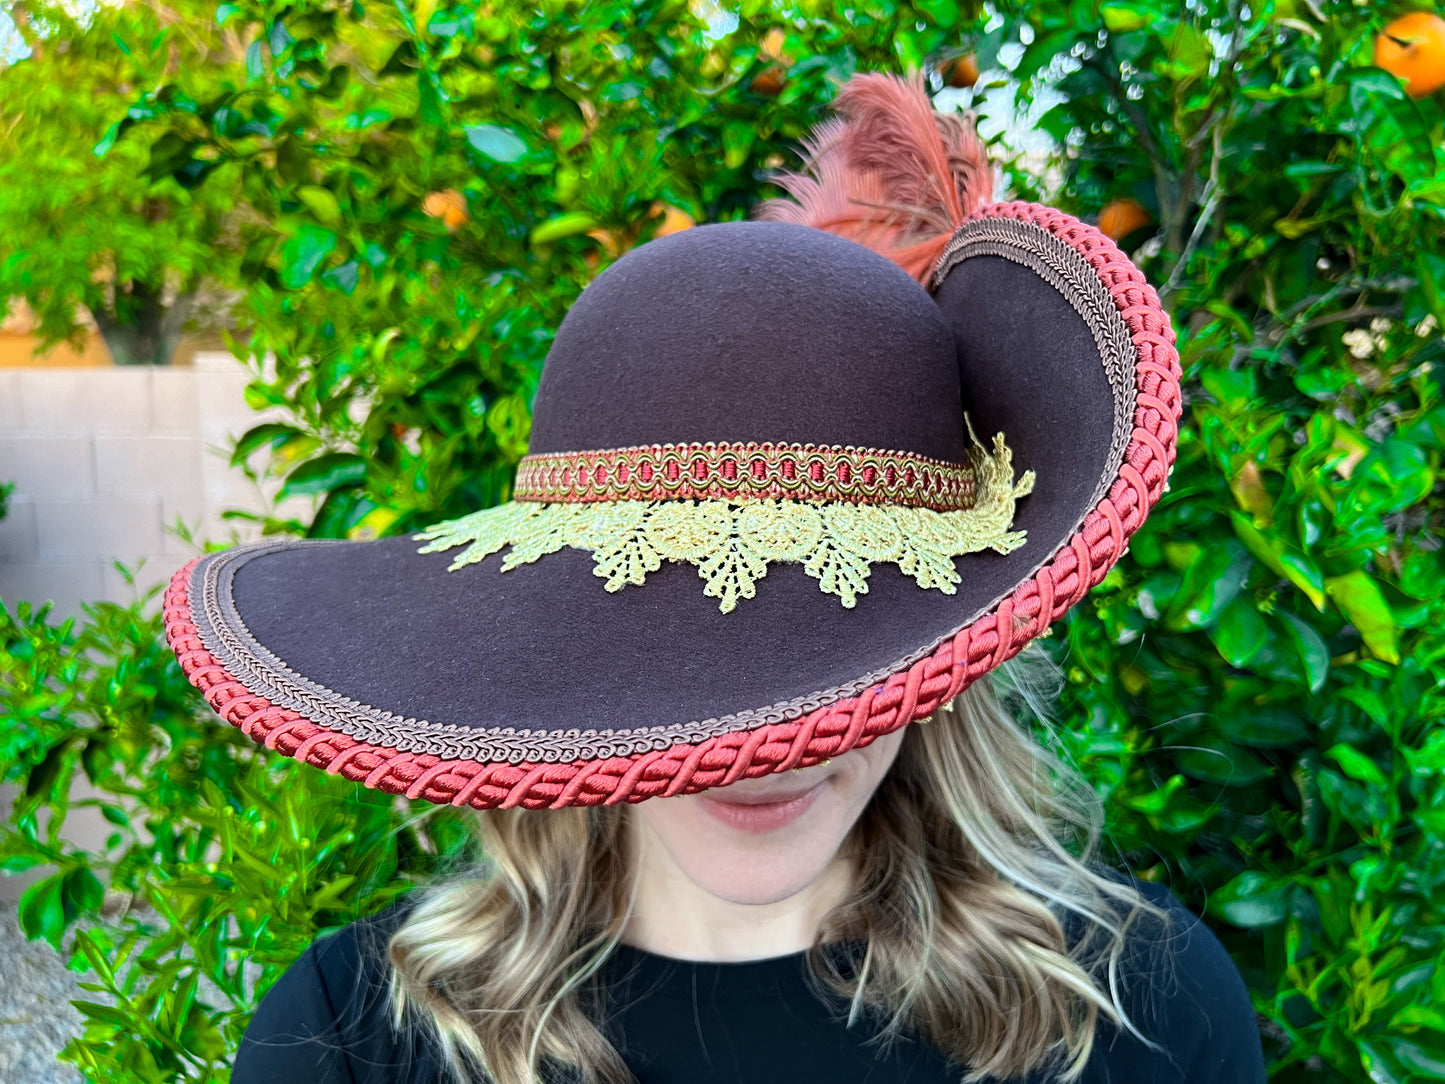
1267 667
210 857
407 345
129 235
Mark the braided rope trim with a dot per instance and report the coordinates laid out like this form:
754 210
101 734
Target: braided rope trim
804 472
915 693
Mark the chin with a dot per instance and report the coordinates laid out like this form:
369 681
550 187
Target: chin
747 877
760 867
765 839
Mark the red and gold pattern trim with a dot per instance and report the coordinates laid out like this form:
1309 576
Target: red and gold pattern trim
806 472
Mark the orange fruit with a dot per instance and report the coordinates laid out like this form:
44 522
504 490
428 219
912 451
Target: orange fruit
450 206
770 81
1121 217
1413 48
772 47
960 71
674 219
611 241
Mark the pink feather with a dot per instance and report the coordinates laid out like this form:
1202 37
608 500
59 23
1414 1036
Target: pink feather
888 172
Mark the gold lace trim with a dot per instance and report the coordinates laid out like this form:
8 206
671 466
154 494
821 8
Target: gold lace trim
732 542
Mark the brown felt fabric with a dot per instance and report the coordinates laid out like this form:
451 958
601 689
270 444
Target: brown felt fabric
546 647
1031 370
751 331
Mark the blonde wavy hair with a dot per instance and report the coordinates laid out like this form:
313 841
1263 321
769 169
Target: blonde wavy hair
977 843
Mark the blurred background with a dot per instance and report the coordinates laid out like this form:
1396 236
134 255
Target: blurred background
293 266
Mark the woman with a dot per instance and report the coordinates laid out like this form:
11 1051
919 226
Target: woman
714 848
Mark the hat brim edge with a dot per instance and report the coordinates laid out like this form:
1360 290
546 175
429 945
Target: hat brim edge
909 694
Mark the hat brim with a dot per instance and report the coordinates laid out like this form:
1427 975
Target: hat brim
536 687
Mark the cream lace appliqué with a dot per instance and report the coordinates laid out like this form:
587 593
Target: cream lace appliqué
732 542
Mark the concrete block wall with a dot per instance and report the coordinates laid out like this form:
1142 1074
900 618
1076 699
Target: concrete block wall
104 461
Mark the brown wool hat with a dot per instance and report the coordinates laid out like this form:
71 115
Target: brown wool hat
754 528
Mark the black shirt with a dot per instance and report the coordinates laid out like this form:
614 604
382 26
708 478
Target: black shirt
757 1022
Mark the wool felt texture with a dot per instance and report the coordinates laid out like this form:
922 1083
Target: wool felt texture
795 336
787 346
1030 370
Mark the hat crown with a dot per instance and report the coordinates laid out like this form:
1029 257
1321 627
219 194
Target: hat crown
763 332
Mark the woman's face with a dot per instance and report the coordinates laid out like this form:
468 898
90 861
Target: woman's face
762 840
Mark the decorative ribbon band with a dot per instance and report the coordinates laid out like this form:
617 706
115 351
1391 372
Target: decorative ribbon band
732 542
802 472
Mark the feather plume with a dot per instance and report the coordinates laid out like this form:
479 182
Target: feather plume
888 172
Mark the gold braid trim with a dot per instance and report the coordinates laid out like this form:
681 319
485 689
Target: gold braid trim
732 541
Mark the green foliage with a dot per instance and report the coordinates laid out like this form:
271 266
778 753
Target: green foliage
405 352
1260 688
126 235
218 871
1256 689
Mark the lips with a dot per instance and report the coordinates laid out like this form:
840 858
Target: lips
759 812
765 798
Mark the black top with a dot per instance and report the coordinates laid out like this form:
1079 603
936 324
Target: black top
757 1022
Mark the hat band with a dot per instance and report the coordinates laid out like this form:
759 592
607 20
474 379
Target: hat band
711 471
732 540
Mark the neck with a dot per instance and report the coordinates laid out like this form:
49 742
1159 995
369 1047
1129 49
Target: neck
673 917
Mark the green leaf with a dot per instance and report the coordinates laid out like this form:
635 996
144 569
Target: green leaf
737 141
621 92
41 910
1209 585
255 62
1367 83
1189 52
343 277
273 433
169 154
1412 1054
1359 599
560 226
1281 559
1217 760
279 38
365 120
1171 807
43 776
106 1014
1314 655
336 514
322 202
1124 18
1358 766
325 473
302 254
107 141
497 143
1240 633
83 893
1380 1065
1252 900
1262 727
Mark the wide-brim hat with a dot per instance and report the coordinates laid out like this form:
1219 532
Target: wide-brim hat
755 527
